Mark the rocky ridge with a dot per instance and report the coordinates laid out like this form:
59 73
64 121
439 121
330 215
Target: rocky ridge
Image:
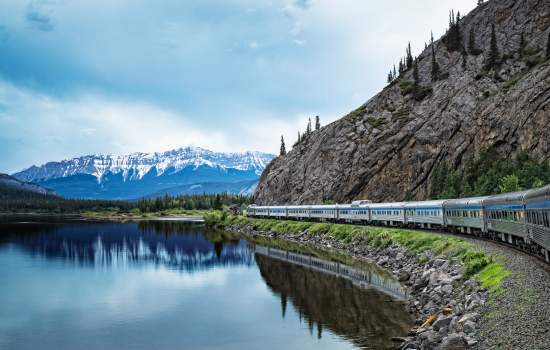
447 310
389 147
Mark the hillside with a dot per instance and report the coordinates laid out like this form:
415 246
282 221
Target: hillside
11 185
391 147
136 175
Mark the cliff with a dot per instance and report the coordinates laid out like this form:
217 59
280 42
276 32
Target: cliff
389 147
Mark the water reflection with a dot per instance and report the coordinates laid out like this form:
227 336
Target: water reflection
171 285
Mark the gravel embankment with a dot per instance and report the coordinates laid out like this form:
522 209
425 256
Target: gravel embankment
519 318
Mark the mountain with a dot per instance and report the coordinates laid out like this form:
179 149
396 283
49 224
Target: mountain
13 185
144 174
392 147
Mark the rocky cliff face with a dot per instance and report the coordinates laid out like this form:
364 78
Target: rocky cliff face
388 148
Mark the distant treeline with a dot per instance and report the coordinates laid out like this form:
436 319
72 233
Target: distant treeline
13 200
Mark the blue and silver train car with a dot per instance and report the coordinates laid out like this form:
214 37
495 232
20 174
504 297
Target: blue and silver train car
353 212
297 212
388 213
505 217
323 212
254 210
465 214
537 210
425 214
277 212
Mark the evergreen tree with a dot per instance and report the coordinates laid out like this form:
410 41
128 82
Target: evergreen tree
390 77
401 66
493 58
548 47
409 60
521 44
435 65
299 138
394 72
318 121
453 39
472 48
415 74
308 128
283 148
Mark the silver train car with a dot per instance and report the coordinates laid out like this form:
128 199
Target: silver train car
519 218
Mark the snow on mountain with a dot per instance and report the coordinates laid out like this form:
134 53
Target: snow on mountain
136 165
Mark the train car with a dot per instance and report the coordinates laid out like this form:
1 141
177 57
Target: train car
465 214
298 212
260 211
537 211
387 213
426 214
505 217
353 212
323 212
277 212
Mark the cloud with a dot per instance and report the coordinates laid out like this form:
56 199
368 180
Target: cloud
303 4
37 18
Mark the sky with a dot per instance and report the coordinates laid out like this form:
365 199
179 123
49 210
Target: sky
119 76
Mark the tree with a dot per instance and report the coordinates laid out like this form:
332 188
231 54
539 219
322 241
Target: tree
479 2
308 128
318 121
493 58
435 65
521 44
453 38
415 74
472 47
299 138
390 77
548 47
409 59
283 148
394 72
509 183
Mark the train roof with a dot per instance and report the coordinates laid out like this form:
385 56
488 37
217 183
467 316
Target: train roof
324 206
460 202
543 192
506 198
425 204
386 205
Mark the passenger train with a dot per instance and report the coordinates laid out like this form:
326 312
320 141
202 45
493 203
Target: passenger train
519 218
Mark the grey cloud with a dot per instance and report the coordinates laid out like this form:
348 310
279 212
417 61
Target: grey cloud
36 17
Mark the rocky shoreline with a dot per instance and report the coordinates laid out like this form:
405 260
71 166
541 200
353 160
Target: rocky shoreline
446 308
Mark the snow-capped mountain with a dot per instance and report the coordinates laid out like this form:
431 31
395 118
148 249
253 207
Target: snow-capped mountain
143 174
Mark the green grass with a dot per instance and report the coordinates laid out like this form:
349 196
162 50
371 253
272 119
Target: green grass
488 270
136 213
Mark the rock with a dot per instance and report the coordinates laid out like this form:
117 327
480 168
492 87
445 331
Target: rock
372 152
403 276
442 321
455 341
473 316
469 327
383 260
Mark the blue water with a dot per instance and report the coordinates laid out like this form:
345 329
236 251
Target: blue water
169 285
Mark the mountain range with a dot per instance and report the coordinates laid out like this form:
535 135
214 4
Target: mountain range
187 170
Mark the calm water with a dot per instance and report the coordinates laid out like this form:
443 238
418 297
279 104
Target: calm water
171 285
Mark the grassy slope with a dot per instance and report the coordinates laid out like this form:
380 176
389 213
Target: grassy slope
136 214
486 268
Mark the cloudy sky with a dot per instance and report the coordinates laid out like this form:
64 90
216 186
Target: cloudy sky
120 76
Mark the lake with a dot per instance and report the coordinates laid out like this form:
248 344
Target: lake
72 284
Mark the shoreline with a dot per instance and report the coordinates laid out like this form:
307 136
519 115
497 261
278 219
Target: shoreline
446 306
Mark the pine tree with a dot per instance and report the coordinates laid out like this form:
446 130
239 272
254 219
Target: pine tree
401 66
415 74
318 121
283 148
435 65
308 128
493 57
409 57
390 77
548 47
299 138
472 48
521 44
394 72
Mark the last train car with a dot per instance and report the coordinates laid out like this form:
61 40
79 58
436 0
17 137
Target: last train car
537 210
505 217
425 214
465 214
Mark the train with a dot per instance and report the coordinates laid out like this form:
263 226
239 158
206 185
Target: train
520 218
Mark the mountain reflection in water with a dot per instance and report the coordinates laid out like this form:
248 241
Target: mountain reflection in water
286 305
